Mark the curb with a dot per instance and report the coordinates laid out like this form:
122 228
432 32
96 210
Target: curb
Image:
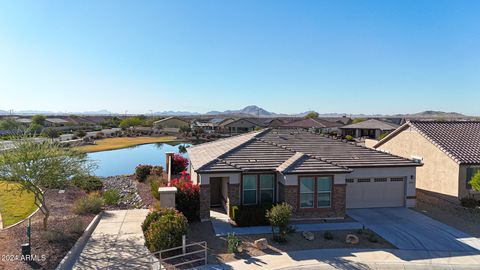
71 257
21 221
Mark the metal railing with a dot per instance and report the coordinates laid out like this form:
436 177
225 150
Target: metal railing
202 251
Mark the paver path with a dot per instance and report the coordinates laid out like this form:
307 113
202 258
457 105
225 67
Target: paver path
116 243
410 230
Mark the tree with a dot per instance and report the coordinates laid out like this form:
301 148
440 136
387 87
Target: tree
131 122
39 120
311 115
10 124
197 132
475 181
39 166
279 217
50 133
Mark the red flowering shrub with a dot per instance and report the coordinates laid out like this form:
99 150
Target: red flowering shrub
187 198
179 164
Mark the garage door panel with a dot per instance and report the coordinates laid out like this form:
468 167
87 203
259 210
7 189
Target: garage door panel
375 192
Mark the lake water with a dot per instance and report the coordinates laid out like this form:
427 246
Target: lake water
124 161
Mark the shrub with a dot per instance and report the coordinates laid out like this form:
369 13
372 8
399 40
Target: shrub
80 133
279 218
372 237
468 202
250 215
53 236
166 231
155 183
179 164
187 198
90 204
77 225
156 170
88 183
142 171
475 181
111 197
233 243
328 235
151 217
349 138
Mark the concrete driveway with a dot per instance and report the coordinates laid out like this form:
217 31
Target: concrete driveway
410 230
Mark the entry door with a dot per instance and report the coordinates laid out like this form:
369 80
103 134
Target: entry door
375 192
215 191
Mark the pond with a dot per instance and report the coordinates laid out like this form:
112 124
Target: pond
124 161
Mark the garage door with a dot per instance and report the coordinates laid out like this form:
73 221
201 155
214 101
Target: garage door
375 192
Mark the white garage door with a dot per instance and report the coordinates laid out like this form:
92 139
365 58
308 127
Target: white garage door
375 192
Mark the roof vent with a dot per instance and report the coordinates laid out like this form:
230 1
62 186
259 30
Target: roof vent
355 157
252 160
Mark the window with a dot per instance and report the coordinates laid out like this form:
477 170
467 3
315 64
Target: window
266 188
307 188
249 189
470 173
324 191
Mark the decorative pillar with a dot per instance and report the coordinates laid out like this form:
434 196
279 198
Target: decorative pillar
167 196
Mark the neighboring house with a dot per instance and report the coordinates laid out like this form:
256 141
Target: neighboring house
315 124
319 176
242 125
371 128
56 122
171 124
449 150
212 125
272 123
24 121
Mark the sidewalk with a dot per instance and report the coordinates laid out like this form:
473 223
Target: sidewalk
222 227
357 259
116 243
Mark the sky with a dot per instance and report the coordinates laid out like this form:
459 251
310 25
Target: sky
372 57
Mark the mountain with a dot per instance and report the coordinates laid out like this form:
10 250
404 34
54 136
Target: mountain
175 113
433 114
252 110
3 112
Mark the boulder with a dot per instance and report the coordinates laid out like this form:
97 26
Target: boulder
352 239
308 235
261 243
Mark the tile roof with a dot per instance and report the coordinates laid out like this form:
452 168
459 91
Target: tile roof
312 123
287 151
458 139
371 124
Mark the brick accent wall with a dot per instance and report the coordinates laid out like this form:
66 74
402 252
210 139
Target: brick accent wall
233 197
337 209
204 202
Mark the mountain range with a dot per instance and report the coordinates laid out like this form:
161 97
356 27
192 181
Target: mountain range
249 111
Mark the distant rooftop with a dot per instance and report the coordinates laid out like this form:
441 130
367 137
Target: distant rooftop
371 124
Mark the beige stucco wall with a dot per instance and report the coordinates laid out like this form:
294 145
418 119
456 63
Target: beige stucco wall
439 173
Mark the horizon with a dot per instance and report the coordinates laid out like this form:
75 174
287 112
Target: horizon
349 57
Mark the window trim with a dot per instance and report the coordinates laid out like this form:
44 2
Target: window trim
256 190
315 193
257 193
270 189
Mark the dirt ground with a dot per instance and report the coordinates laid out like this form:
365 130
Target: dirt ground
461 220
217 246
65 228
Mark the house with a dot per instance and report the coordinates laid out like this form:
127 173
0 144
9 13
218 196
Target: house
315 124
242 125
449 150
318 175
171 124
371 128
56 122
212 125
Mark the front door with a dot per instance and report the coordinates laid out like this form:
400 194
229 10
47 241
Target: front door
215 191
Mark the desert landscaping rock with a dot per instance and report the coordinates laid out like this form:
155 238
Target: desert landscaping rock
261 243
352 239
129 197
308 235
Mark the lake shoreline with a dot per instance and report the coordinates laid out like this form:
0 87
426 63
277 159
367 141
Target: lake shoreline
125 142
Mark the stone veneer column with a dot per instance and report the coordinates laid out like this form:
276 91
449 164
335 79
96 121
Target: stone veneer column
233 197
204 202
291 196
339 199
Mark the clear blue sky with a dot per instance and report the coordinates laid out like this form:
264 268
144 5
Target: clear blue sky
286 56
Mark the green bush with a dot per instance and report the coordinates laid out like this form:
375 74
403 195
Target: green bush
111 197
156 182
279 219
142 171
372 237
475 181
328 235
233 243
250 215
151 217
88 183
349 138
166 230
90 204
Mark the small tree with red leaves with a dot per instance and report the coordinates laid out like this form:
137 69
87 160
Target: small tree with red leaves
179 164
187 198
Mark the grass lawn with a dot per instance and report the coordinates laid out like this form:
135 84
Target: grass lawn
14 205
117 143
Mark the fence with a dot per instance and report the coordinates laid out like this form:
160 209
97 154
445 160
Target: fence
183 258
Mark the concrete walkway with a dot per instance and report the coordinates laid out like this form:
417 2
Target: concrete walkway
116 243
410 230
222 227
357 259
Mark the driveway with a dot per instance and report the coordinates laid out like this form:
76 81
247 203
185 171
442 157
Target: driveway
410 230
